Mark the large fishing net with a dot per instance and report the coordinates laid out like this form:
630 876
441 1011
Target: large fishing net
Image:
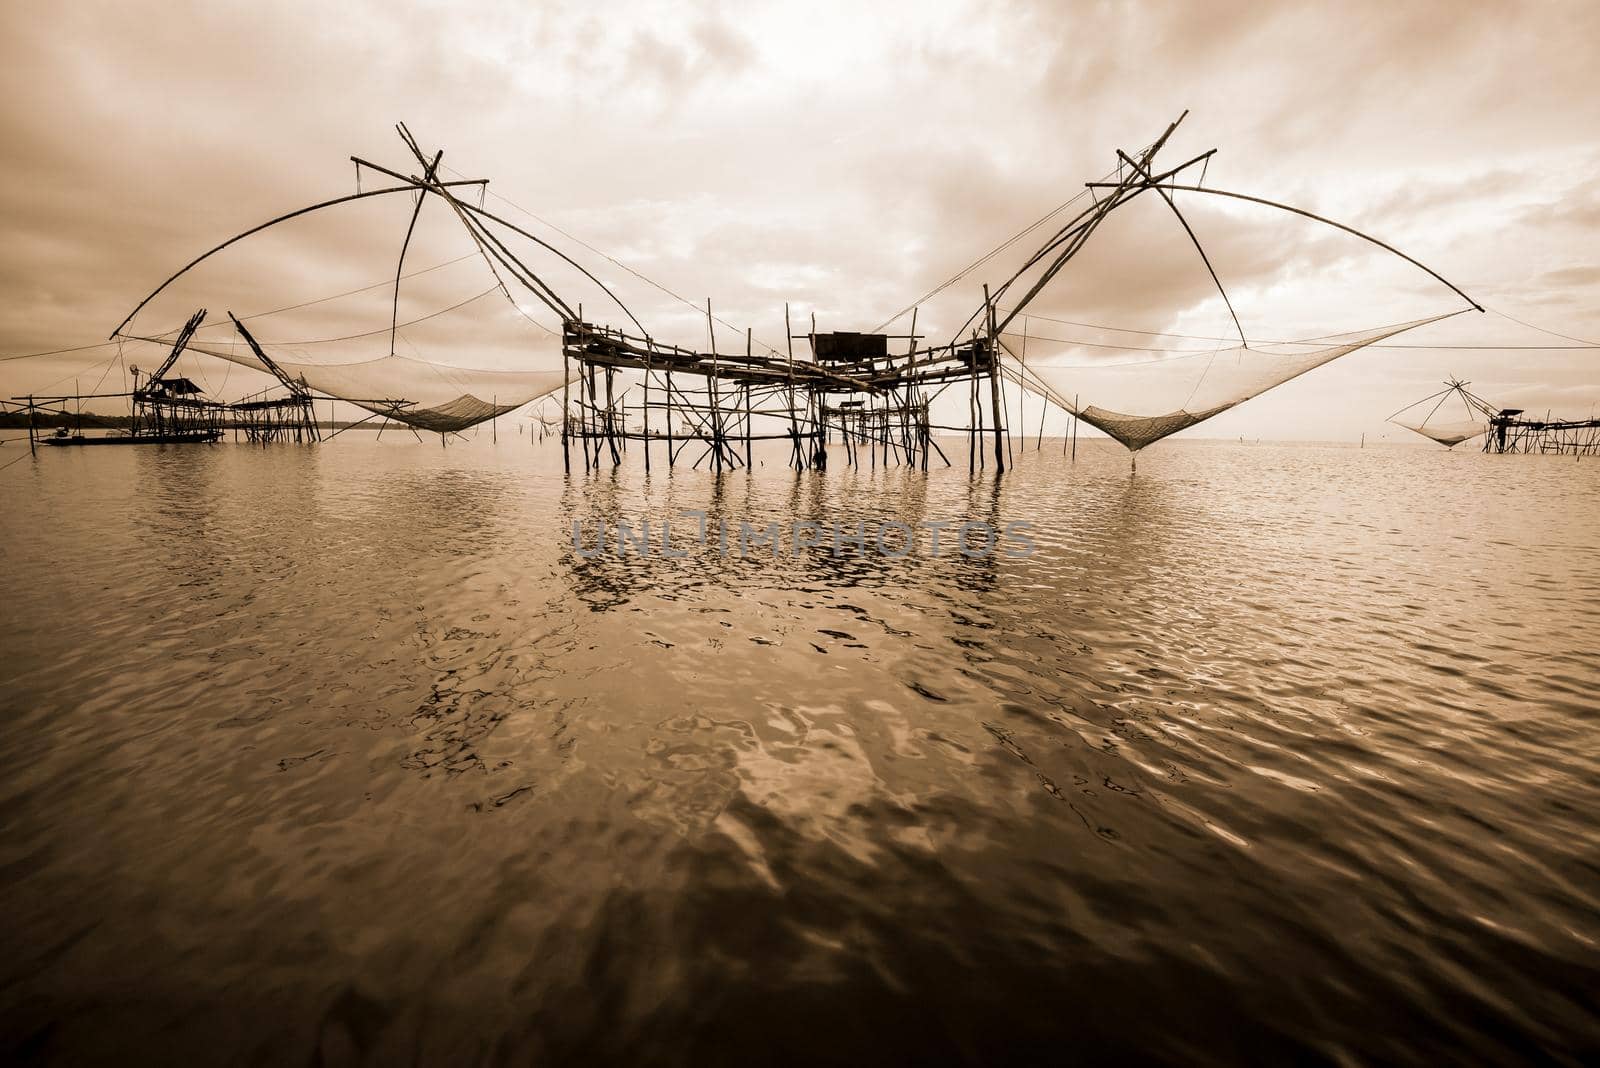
1448 417
1141 396
433 308
426 395
1164 303
457 345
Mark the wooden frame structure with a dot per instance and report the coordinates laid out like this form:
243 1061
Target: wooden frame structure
264 419
710 407
1510 432
1504 430
172 410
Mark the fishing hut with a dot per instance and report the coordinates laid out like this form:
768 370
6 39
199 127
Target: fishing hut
166 409
710 407
1510 431
172 409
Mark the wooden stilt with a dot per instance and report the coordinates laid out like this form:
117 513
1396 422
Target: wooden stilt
972 410
749 428
646 413
611 417
994 385
716 399
798 458
566 405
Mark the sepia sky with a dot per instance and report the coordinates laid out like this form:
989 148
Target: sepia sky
845 158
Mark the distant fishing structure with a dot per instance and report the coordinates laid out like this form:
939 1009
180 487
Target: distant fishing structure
1510 432
1450 416
873 393
170 409
1457 414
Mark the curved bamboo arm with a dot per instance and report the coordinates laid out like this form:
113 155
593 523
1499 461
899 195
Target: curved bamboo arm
186 268
1337 225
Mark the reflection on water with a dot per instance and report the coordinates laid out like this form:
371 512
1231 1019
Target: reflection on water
1267 752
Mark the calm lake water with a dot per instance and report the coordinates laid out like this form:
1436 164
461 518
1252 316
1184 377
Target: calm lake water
342 754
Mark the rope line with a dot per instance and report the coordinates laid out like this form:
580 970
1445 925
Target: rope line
685 301
1580 346
254 315
986 257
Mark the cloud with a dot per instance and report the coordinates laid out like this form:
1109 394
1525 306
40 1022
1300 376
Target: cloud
841 156
714 50
1577 207
1571 276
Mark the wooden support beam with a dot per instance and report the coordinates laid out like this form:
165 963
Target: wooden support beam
994 387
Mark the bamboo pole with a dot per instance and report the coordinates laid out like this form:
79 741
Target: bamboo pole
972 410
647 411
566 403
819 402
591 419
583 384
1011 456
611 417
749 426
716 398
909 412
794 425
981 427
994 386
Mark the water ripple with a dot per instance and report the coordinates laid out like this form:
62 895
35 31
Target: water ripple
1267 753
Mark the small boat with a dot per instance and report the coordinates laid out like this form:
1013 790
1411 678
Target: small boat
63 438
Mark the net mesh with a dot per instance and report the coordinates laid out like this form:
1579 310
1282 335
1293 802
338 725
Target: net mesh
1449 418
1451 434
423 394
439 338
1142 396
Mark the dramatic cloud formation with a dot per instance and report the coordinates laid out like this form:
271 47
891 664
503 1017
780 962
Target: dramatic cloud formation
845 158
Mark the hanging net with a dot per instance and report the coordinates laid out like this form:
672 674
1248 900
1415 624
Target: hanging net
431 299
423 394
417 306
1449 417
446 346
1449 434
1233 295
1141 396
